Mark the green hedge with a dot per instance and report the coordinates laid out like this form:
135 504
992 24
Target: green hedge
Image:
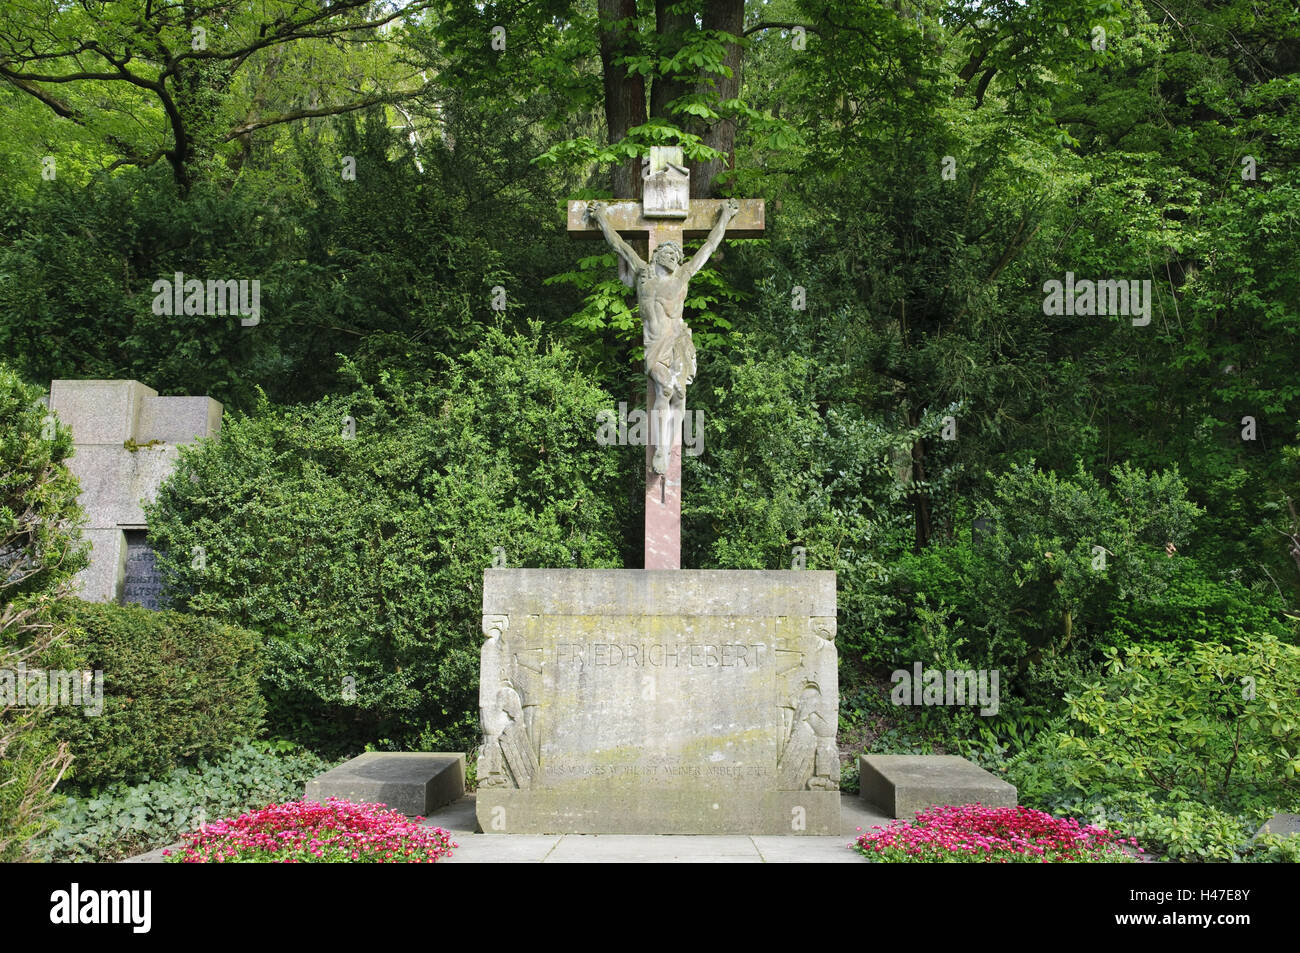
177 687
360 555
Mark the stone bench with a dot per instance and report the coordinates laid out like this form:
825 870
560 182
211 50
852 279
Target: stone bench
416 783
902 784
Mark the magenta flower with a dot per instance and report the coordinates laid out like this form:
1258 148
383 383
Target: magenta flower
974 833
337 831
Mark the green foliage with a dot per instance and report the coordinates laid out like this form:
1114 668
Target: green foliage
1032 597
779 471
1052 775
176 688
1193 607
362 557
123 820
40 550
1218 724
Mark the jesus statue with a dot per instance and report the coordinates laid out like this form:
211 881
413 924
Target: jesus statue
661 295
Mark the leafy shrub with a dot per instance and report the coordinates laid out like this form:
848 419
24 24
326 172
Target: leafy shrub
1194 607
1169 750
972 833
781 470
1188 831
176 688
361 554
302 832
1185 830
1218 725
122 820
40 550
1033 598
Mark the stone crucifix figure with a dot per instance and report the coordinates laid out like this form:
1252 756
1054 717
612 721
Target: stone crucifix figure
667 217
661 296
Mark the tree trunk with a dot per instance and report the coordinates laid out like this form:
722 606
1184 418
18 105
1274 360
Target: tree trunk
624 92
727 16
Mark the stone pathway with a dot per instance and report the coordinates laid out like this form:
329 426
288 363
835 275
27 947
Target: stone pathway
458 818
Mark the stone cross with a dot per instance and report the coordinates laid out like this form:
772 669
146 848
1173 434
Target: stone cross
666 218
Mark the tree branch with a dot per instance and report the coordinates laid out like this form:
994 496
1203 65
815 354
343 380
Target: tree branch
246 127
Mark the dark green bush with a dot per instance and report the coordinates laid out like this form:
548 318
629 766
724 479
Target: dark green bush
1197 608
176 688
354 533
40 549
1035 597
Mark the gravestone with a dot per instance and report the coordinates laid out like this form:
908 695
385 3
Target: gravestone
416 783
126 441
660 700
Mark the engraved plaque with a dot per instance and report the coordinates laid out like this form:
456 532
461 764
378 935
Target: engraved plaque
143 586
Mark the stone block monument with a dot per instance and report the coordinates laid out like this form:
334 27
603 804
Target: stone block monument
126 442
660 700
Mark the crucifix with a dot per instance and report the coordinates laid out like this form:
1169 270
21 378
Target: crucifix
666 217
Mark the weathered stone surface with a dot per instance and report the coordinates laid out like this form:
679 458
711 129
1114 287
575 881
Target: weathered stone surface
117 482
666 188
177 419
1282 824
669 701
413 782
103 578
901 784
99 412
125 444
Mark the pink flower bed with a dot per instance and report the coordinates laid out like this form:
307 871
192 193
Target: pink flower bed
972 833
336 832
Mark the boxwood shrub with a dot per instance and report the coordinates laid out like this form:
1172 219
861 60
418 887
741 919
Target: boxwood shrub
176 688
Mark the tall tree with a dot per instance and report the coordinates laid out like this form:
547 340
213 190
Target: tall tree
164 69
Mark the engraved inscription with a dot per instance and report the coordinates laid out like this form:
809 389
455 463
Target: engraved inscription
143 585
659 654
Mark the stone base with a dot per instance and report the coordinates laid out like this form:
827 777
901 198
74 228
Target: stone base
901 784
413 782
510 811
1281 824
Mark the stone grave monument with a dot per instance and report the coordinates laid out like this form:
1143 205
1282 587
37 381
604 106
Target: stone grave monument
660 700
126 441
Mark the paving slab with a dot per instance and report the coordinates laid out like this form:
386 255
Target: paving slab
502 849
654 849
806 850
